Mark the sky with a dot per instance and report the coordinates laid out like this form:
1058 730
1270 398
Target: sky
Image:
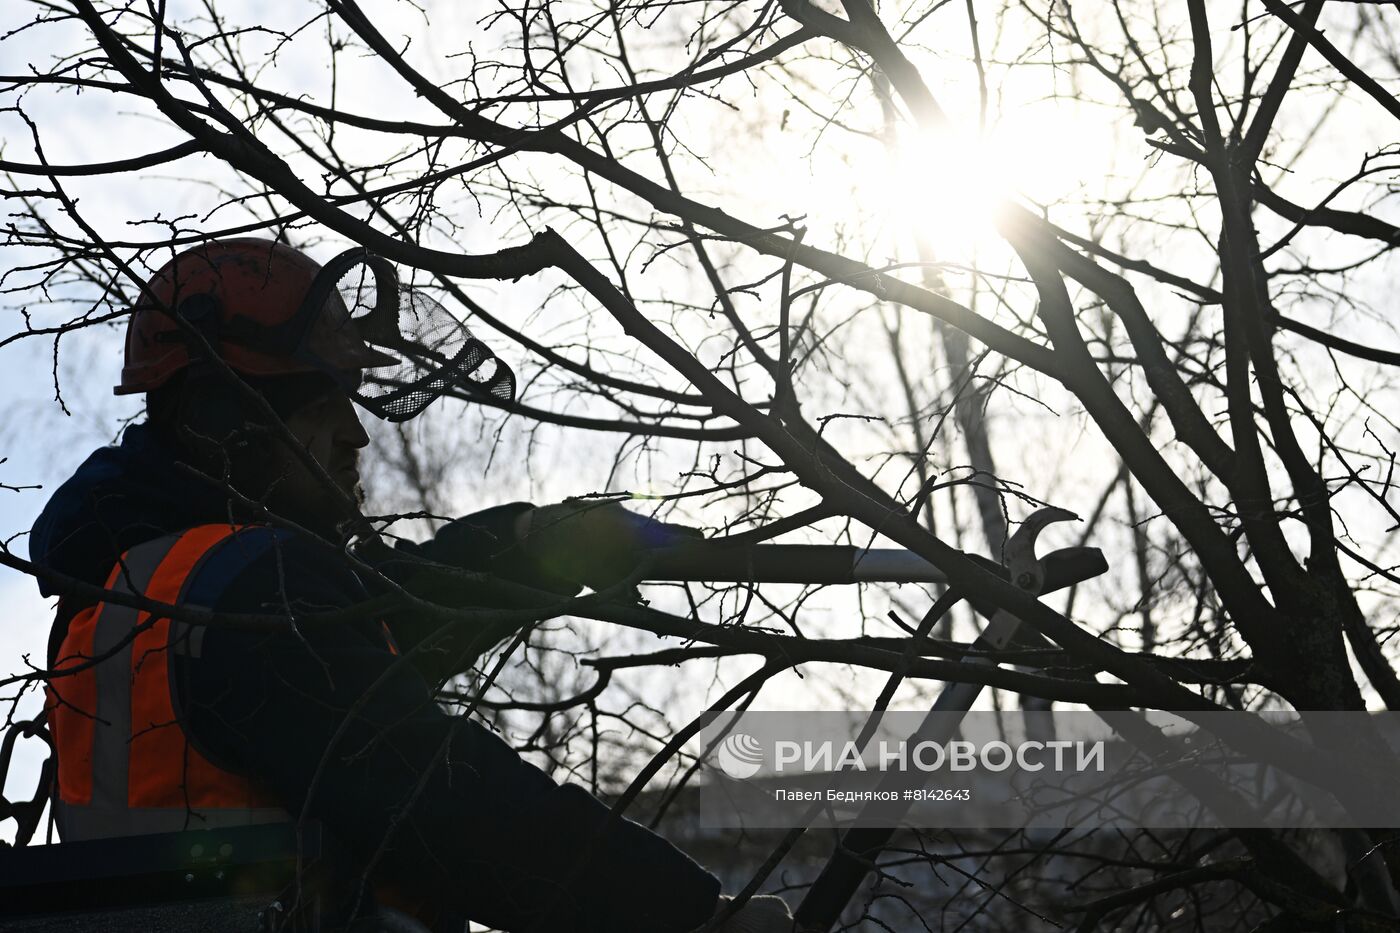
1043 149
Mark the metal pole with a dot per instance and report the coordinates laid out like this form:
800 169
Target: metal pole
841 564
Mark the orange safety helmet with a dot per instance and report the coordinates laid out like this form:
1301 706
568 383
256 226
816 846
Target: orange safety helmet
266 309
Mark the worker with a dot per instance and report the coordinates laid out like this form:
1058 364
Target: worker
234 499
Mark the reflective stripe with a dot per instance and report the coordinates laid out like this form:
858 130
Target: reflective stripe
182 777
72 705
111 741
126 766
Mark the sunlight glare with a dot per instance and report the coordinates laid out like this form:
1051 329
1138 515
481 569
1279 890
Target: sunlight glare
949 186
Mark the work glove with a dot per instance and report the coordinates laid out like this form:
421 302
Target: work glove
593 542
763 914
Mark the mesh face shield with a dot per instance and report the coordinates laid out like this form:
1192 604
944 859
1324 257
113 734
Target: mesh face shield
426 352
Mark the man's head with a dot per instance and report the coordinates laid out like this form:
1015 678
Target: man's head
263 314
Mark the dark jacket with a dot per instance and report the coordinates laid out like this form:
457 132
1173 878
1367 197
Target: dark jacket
336 728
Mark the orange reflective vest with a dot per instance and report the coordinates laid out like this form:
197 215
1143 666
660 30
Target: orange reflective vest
125 764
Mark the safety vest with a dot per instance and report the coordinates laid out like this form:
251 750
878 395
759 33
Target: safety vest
125 763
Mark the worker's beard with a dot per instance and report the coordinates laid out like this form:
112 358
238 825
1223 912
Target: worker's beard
293 494
317 506
357 493
355 490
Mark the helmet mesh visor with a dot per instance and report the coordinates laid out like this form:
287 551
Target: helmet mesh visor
438 356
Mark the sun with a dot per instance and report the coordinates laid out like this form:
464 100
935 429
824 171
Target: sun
947 187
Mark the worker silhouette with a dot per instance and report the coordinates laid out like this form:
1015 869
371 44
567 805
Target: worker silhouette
233 500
